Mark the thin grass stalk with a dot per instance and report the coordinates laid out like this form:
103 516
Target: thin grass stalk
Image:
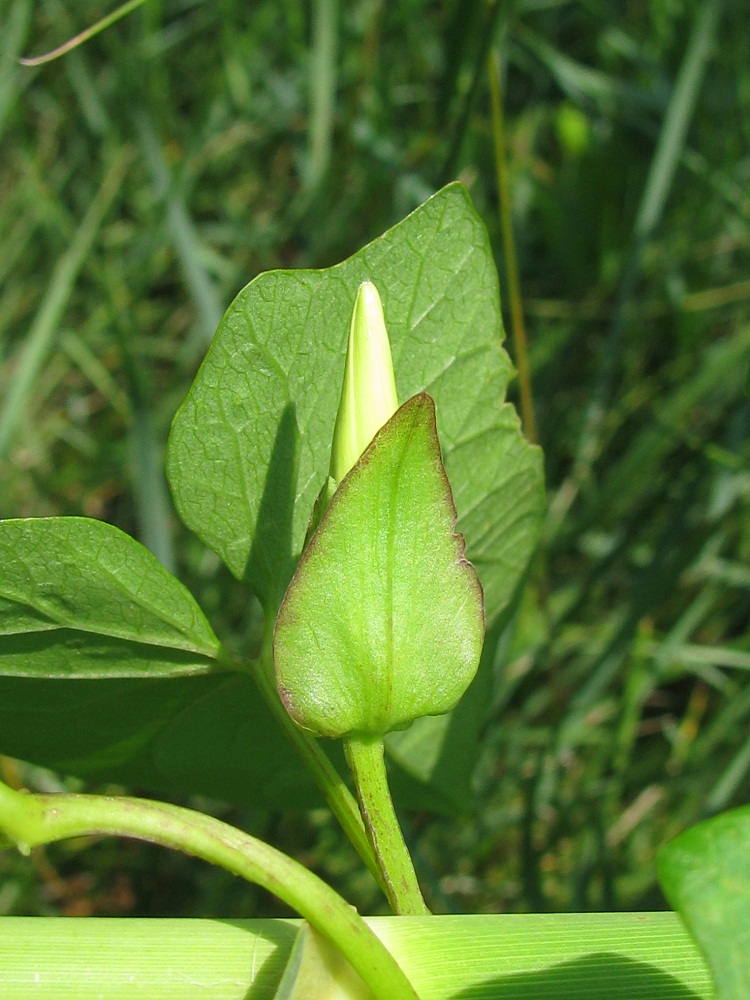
325 16
83 36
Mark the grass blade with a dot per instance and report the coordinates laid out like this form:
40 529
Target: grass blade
663 167
15 28
42 333
322 90
185 237
83 36
613 955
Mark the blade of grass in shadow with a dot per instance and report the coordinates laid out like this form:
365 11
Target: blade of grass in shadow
152 501
672 553
185 238
670 420
458 38
34 351
87 362
16 27
458 130
517 324
658 184
322 77
583 84
90 100
729 781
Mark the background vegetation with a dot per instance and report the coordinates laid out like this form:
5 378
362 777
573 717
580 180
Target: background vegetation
145 178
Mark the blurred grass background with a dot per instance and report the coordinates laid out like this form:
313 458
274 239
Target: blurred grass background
149 175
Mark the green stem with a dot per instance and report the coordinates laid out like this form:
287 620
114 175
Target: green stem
30 820
332 786
366 759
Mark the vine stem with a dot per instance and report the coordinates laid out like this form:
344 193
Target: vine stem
366 759
330 783
30 820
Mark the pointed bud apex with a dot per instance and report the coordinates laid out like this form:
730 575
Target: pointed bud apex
368 396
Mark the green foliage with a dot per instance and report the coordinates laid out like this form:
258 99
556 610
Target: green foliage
248 453
705 874
613 709
80 599
383 620
250 446
555 956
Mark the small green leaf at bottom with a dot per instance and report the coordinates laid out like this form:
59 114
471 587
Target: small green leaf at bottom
383 621
705 875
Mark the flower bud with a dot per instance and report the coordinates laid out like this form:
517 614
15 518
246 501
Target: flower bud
368 396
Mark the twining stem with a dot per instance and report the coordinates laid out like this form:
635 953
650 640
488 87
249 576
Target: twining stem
340 800
366 759
30 820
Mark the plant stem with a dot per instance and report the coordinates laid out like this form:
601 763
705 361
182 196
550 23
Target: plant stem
366 759
30 820
332 786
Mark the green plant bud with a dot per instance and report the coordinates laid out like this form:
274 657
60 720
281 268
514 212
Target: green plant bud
383 621
368 396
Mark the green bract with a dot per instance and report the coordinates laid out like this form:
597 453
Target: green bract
383 621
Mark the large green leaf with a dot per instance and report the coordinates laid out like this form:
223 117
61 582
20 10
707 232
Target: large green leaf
78 598
383 620
250 446
705 875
